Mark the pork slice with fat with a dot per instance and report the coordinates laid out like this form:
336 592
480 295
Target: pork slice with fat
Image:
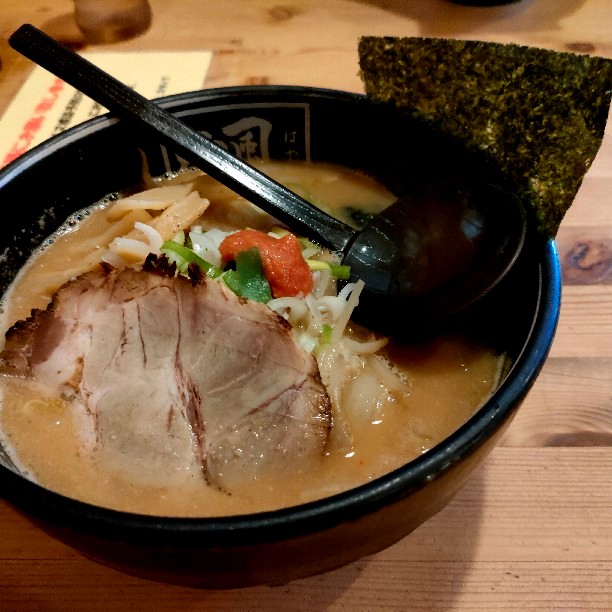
172 379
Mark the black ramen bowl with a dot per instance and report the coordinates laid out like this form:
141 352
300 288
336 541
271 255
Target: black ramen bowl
104 155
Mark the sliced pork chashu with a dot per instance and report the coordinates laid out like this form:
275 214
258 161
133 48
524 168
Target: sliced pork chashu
172 379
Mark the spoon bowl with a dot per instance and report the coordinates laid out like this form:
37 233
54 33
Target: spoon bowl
430 254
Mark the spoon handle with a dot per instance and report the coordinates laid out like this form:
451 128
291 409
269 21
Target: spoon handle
289 208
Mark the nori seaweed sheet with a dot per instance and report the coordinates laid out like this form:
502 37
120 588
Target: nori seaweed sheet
536 115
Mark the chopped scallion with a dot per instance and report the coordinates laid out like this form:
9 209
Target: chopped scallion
339 271
183 256
315 264
326 334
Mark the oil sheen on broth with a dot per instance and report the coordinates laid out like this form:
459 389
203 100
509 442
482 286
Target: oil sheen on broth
448 378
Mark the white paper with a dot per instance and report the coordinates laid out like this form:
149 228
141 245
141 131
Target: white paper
46 105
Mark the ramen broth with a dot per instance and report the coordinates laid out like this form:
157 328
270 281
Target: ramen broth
448 378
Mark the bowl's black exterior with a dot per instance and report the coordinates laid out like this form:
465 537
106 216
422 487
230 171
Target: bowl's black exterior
78 167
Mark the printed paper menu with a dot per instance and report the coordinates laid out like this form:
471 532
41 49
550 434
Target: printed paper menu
46 105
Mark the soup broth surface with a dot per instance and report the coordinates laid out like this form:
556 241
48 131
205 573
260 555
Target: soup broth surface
444 379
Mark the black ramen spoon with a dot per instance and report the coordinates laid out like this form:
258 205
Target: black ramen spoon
427 256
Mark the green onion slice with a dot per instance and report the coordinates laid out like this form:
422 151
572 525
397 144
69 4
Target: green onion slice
326 334
315 264
337 271
183 256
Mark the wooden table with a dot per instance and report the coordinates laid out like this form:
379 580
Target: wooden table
533 528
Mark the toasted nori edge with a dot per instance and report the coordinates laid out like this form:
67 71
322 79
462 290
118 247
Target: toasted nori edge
536 115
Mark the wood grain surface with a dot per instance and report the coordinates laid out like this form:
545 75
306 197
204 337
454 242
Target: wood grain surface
532 530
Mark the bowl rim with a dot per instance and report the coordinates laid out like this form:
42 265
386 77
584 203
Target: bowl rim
322 513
